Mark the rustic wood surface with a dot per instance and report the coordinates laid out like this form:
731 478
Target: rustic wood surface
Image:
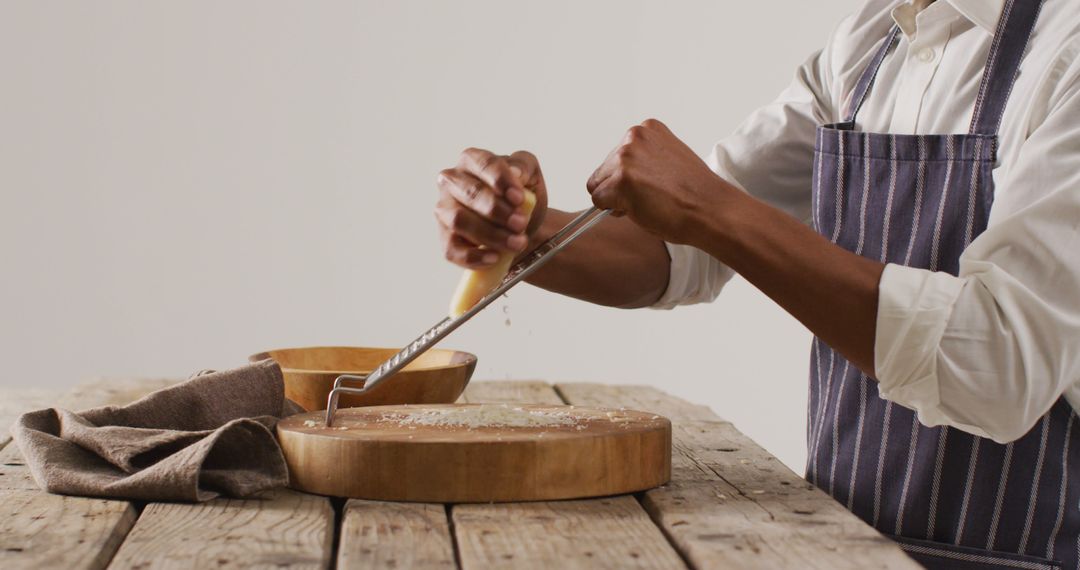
730 505
366 454
285 529
612 532
645 398
510 392
15 402
377 534
40 530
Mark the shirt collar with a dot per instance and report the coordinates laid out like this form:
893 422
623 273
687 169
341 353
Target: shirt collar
983 13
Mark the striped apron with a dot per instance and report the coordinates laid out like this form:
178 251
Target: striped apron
952 500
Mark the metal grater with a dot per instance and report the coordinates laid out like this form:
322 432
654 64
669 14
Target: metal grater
537 258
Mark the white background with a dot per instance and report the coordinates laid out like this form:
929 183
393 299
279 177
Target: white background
185 183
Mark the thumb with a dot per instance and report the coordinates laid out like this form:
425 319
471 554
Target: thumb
524 165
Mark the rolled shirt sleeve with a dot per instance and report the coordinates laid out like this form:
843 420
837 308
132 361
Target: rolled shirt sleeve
991 350
770 156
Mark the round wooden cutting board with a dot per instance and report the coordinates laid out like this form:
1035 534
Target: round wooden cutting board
457 453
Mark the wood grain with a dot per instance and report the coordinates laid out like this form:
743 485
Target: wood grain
14 402
732 504
285 529
395 535
644 398
436 377
511 391
612 532
369 455
40 530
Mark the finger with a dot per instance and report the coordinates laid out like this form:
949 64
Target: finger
526 167
477 196
461 252
656 125
609 196
468 224
495 171
604 171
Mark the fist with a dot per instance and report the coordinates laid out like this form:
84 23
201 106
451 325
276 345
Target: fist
478 211
658 181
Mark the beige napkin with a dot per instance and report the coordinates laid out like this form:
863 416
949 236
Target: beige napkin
209 436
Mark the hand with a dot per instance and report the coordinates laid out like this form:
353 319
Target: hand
659 182
479 207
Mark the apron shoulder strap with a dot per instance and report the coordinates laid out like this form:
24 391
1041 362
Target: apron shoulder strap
1010 43
1007 50
866 80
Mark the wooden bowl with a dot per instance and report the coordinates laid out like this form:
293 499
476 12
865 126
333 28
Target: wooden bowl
436 377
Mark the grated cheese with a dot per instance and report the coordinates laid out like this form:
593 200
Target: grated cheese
503 415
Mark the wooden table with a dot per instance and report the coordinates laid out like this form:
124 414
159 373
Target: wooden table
730 504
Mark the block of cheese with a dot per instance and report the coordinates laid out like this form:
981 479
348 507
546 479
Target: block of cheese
476 283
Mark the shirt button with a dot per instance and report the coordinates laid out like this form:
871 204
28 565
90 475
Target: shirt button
926 55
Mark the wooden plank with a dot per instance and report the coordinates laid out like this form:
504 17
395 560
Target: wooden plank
14 474
509 392
16 401
13 403
40 530
286 529
644 398
612 532
378 534
732 504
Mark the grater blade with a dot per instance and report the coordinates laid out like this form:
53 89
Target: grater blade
530 263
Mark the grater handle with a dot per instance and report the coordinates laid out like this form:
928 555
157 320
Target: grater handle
529 264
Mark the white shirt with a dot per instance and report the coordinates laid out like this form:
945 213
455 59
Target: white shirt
991 350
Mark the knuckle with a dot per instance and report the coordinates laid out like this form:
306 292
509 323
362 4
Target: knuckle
526 156
457 220
473 190
651 123
487 206
487 160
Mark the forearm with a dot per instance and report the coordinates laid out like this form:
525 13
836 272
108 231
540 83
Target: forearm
832 291
615 263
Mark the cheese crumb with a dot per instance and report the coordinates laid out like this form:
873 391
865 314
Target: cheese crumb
503 415
310 423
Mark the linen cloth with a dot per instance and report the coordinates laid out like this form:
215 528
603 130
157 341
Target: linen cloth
211 435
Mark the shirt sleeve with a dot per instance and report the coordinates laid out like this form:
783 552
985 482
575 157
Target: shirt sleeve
770 156
991 350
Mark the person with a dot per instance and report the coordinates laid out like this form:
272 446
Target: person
913 198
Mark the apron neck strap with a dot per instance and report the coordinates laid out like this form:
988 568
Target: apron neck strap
866 80
1007 50
1010 42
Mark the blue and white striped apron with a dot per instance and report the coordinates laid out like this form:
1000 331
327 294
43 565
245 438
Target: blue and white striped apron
952 500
